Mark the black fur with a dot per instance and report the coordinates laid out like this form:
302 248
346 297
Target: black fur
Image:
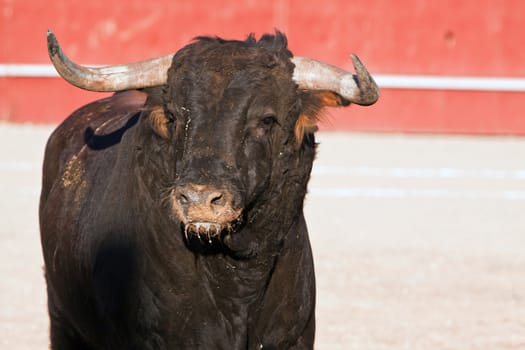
120 274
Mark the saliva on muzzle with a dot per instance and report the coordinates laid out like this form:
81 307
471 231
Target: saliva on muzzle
210 232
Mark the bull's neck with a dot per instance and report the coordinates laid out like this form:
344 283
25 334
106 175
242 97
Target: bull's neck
247 278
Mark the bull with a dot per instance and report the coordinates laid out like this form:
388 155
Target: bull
171 213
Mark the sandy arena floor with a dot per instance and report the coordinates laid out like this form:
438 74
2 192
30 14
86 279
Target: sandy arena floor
419 241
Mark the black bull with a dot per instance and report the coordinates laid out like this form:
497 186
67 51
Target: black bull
171 213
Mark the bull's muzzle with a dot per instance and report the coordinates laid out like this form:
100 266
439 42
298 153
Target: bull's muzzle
205 210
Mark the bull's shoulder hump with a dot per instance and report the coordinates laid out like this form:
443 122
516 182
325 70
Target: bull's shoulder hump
97 115
101 111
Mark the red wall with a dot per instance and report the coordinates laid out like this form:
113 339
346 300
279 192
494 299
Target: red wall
447 37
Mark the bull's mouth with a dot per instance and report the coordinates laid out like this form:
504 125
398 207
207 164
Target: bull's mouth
206 231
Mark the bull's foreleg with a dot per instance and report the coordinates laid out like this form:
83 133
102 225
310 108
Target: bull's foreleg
63 337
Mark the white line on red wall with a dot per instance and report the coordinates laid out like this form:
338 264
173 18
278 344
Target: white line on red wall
386 81
429 82
28 71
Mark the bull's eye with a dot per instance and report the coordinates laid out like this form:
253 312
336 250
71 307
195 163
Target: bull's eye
264 124
171 118
268 120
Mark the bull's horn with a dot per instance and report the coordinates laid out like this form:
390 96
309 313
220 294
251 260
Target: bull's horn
359 88
149 73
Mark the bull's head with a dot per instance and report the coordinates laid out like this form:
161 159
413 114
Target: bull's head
239 116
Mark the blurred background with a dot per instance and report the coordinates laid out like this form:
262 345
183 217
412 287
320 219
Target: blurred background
415 204
421 51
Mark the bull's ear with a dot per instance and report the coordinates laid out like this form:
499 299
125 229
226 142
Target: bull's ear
312 112
159 120
330 99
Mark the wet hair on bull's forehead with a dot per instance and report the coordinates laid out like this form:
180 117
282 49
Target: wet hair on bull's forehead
277 41
269 51
219 59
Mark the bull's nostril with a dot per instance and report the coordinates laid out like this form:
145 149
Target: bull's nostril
216 198
200 197
183 199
